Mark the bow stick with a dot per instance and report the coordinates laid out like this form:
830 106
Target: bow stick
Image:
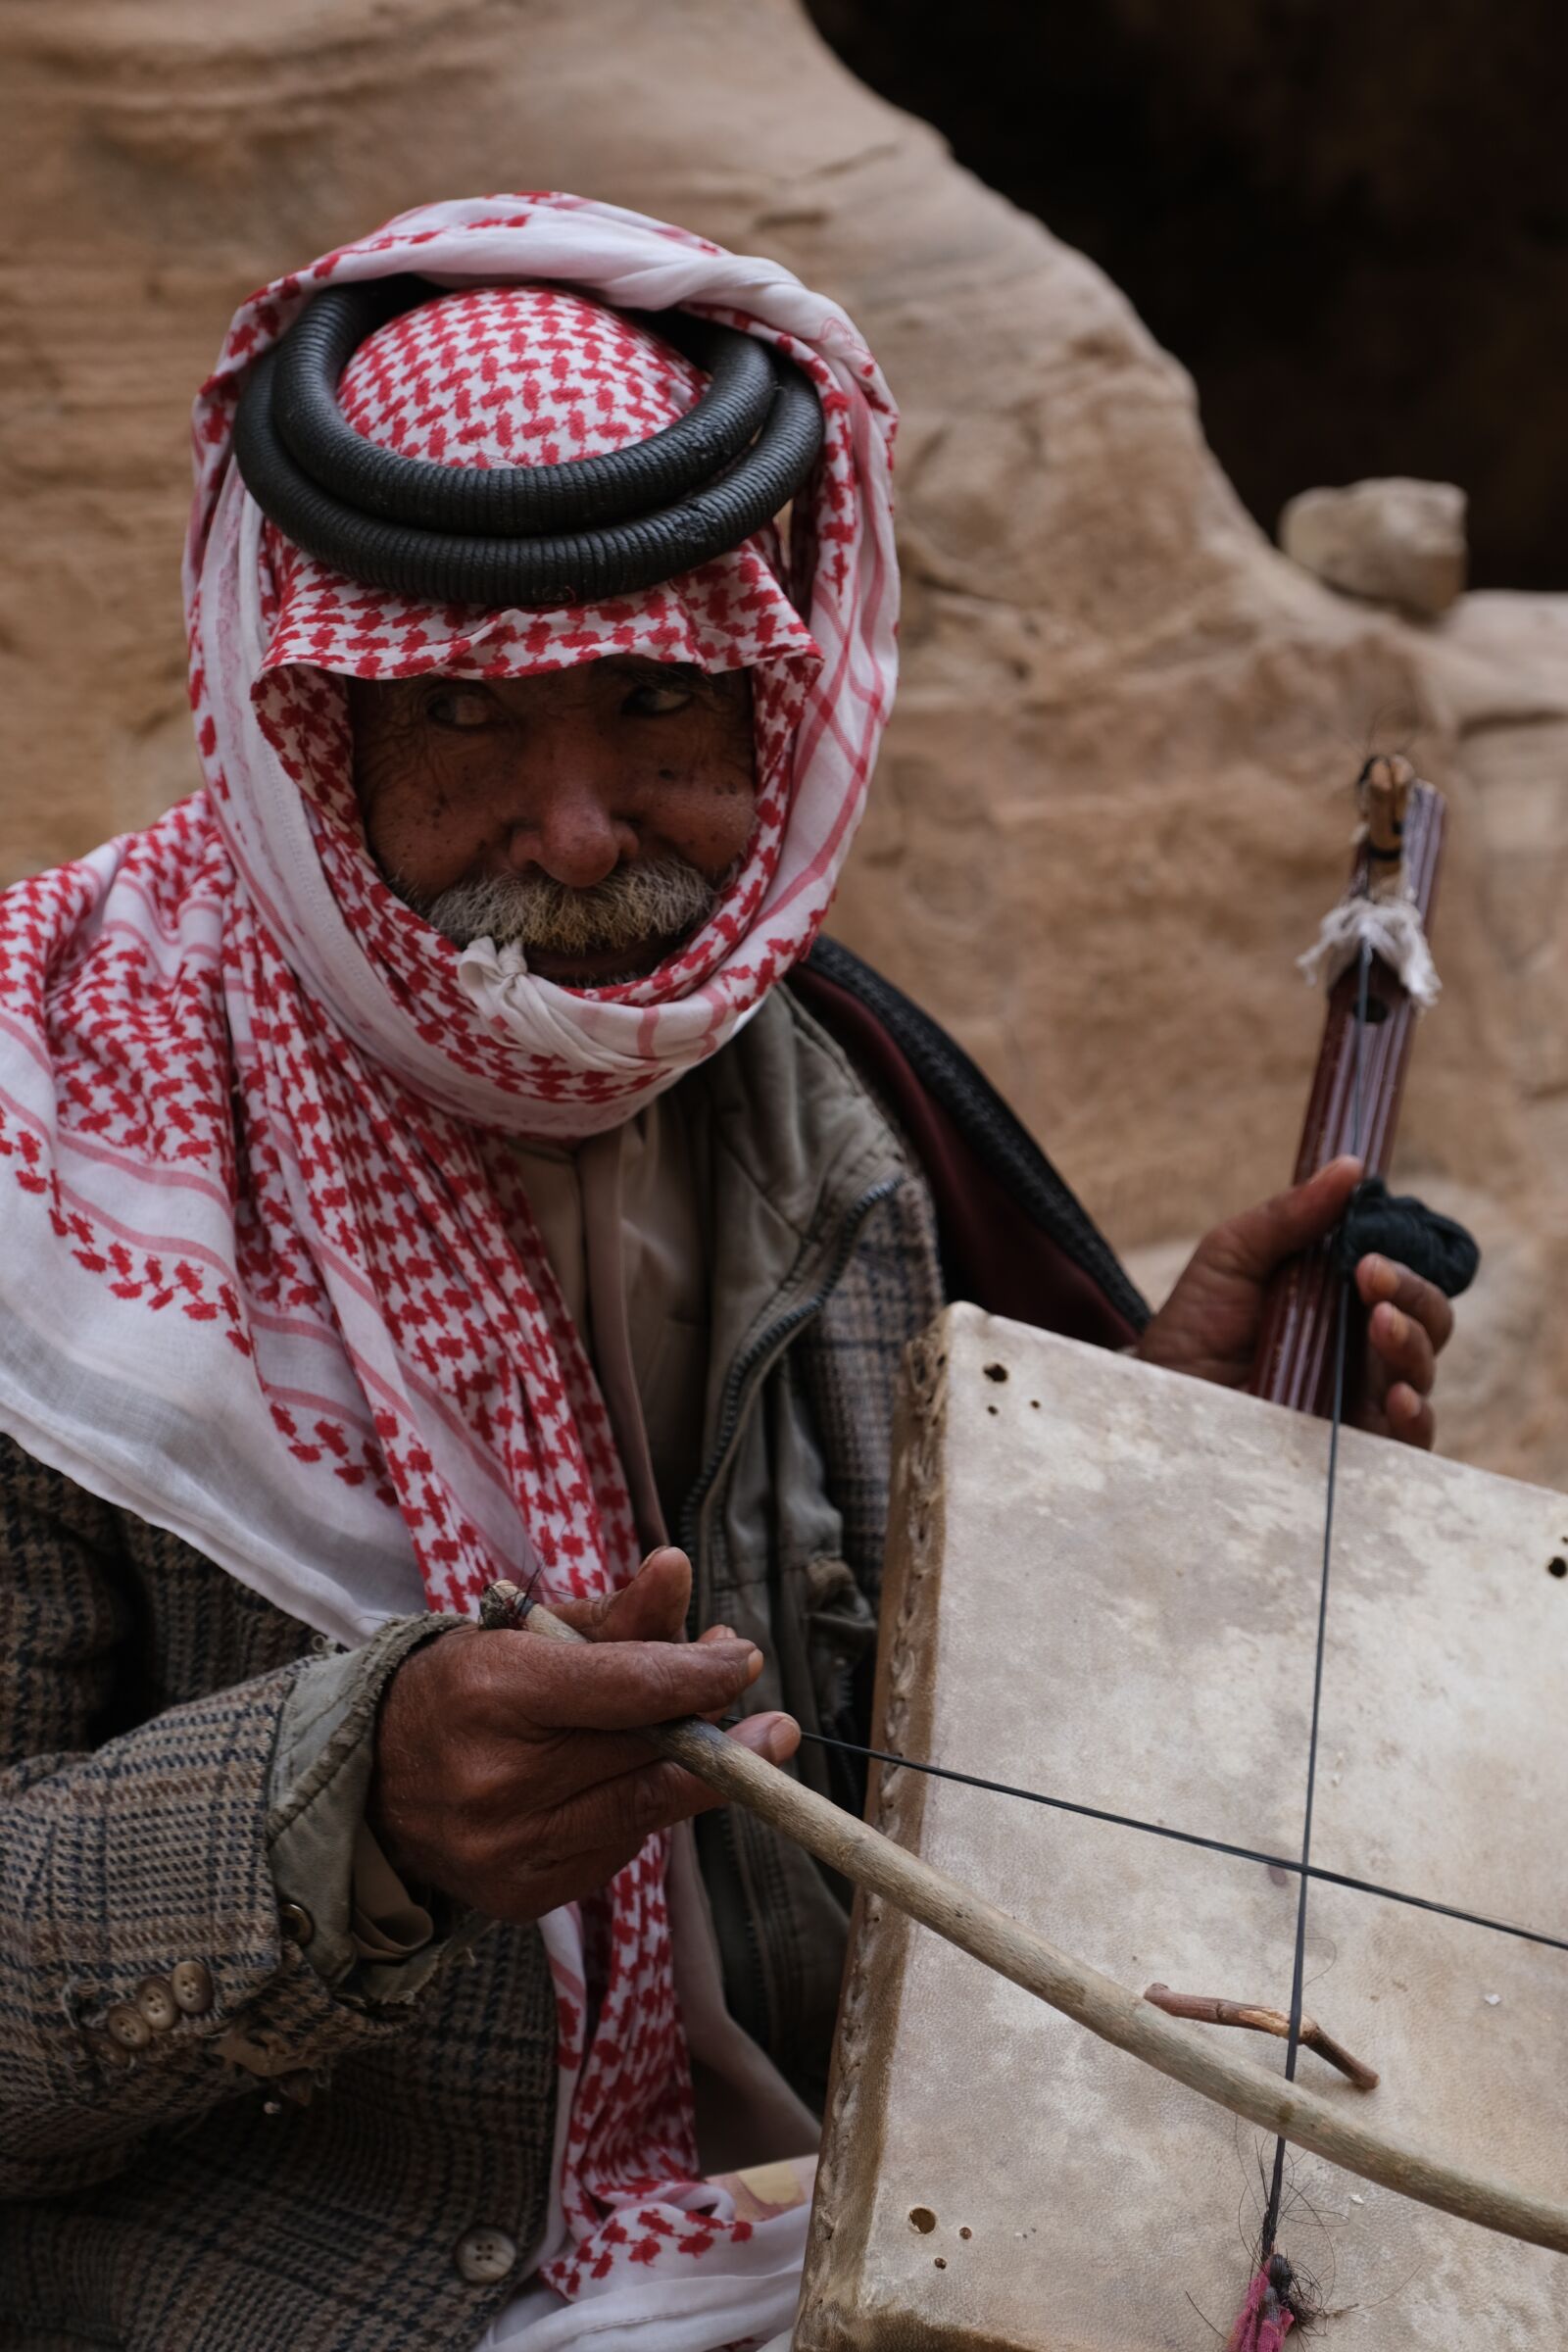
862 1854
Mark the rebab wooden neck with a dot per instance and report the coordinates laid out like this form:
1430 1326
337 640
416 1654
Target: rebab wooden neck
1295 1362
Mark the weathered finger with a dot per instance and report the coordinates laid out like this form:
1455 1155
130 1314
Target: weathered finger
1381 1280
719 1633
1402 1346
561 1765
775 1737
525 1892
582 1760
652 1607
619 1686
640 1802
584 1617
1411 1418
527 1889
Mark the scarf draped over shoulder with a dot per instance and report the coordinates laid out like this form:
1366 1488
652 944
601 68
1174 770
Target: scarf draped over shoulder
267 1277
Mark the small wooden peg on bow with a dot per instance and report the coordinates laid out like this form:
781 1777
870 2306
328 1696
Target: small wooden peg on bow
1207 2010
861 1854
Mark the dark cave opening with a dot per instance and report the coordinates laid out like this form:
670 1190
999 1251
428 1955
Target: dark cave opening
1349 223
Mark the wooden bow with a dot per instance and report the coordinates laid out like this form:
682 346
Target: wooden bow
954 1911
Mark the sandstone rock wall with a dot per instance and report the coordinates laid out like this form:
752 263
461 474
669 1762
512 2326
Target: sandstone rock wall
1115 798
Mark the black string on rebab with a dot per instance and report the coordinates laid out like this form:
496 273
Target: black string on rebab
1341 1350
1373 954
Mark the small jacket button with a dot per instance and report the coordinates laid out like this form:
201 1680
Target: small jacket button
483 2256
297 1924
127 2027
155 1998
191 1984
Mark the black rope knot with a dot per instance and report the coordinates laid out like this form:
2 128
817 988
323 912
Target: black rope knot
1400 1226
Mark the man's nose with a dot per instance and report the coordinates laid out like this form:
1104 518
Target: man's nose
567 824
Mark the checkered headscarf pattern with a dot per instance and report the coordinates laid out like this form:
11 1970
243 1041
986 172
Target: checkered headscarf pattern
820 640
489 376
253 1110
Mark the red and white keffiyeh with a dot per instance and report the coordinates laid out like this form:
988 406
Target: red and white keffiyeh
266 1275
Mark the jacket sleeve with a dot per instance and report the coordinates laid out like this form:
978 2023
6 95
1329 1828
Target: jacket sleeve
145 1971
362 1928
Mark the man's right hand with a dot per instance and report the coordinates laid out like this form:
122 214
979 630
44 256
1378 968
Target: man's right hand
510 1771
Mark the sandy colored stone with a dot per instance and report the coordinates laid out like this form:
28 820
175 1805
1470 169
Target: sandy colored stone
1398 541
1155 1560
1116 797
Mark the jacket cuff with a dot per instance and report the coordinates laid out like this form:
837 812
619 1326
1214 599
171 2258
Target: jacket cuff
316 1833
386 1920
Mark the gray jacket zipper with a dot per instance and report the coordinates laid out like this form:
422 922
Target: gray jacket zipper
748 1369
741 1382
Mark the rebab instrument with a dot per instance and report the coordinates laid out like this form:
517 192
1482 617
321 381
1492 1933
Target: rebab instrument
1264 1762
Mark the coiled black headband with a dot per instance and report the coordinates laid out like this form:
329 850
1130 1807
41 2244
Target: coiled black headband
493 535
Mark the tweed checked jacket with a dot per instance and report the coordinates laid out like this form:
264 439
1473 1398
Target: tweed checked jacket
297 2158
302 2143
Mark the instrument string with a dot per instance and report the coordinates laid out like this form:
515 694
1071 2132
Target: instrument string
1293 2045
1213 1845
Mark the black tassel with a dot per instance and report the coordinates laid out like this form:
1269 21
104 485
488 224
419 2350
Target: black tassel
1401 1227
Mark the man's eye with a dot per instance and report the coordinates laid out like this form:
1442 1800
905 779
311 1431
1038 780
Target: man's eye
655 701
459 706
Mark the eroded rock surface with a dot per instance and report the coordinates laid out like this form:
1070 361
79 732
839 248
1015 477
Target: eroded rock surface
1115 798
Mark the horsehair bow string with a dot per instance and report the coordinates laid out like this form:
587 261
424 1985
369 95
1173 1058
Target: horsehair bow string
870 1860
1354 1100
1213 1845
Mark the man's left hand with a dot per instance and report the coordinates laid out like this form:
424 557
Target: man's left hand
1210 1324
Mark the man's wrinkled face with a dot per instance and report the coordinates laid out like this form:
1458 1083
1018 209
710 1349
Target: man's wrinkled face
590 816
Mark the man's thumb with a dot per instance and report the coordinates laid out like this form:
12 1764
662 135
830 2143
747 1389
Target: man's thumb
1261 1238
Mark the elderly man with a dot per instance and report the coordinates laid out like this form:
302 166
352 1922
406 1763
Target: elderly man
427 1156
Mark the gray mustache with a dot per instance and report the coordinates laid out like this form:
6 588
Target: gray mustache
652 899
